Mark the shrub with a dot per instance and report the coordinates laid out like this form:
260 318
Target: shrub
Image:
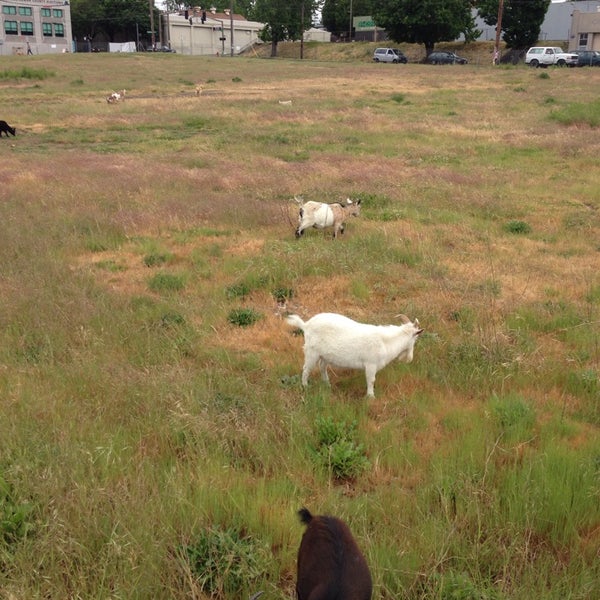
15 521
237 290
337 450
157 258
517 227
243 317
166 282
225 561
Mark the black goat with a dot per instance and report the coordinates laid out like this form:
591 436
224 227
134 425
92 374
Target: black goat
330 564
6 128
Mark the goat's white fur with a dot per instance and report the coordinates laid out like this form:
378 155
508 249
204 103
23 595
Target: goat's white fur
116 97
321 215
332 339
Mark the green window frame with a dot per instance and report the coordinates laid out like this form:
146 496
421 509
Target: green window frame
9 10
57 13
47 29
11 28
25 11
59 30
46 12
26 28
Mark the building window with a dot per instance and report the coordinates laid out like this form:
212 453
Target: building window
59 30
57 13
26 28
10 28
583 40
9 10
25 11
47 29
46 12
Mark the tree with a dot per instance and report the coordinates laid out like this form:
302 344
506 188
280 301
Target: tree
283 19
425 21
110 17
521 21
336 14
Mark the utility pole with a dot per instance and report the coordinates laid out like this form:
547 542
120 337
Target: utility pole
302 32
153 34
231 24
350 24
498 32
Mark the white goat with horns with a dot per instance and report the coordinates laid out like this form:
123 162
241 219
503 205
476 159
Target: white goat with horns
332 339
321 215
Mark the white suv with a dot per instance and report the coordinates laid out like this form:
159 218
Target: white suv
542 56
392 55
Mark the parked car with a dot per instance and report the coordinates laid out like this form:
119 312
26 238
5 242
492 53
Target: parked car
589 58
446 58
542 56
391 55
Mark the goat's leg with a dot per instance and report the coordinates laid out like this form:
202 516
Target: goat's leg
324 374
370 372
310 361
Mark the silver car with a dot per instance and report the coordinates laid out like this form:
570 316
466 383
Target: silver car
392 55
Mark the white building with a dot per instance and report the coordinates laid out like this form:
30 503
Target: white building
35 27
206 32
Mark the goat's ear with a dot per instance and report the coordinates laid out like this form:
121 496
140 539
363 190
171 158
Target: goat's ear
348 201
357 202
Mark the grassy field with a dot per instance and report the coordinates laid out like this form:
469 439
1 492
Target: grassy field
155 439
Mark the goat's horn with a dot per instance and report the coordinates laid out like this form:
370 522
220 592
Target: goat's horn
403 318
255 596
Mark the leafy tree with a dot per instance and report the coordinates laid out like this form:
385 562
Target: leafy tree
110 17
425 21
283 19
336 13
521 21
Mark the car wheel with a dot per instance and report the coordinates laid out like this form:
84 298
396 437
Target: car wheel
395 61
376 59
534 63
561 63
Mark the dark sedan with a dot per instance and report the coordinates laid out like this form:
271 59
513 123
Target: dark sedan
588 58
446 58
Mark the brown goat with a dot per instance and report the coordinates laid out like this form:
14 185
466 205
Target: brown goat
330 564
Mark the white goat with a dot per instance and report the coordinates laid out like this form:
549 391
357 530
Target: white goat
321 215
332 339
116 97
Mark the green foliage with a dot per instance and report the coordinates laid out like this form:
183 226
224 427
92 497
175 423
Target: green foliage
238 290
334 14
167 282
518 227
15 517
424 21
243 317
578 113
514 416
226 561
283 19
521 21
25 73
282 294
337 450
155 259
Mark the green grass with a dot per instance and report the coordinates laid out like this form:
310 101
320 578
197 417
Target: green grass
156 439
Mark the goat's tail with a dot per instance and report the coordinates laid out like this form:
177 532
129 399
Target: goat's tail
305 516
295 321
